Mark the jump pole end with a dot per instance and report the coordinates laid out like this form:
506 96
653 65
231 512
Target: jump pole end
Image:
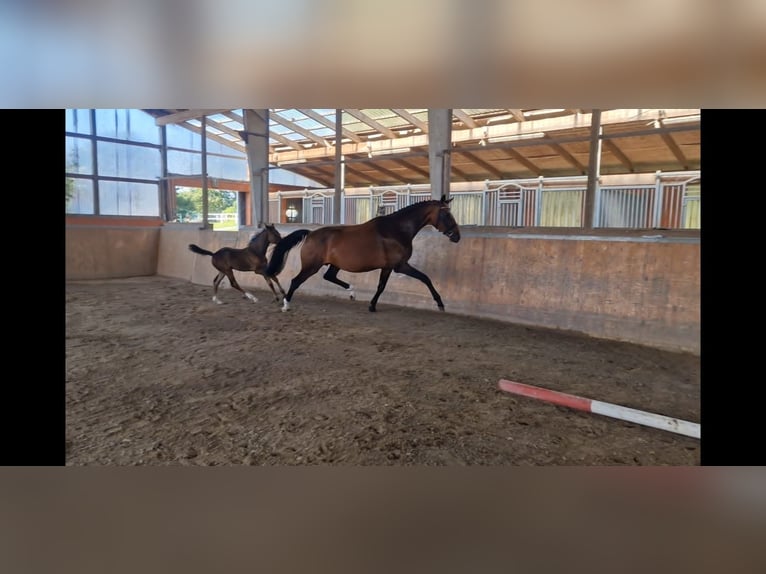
601 408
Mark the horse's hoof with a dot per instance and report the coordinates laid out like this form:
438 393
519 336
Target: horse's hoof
372 309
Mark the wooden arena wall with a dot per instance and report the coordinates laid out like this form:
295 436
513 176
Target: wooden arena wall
626 285
100 247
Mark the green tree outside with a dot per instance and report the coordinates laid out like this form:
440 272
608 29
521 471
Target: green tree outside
189 202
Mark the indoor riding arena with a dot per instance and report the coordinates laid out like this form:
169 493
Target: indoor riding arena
157 373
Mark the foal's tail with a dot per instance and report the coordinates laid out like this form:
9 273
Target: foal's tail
198 249
277 262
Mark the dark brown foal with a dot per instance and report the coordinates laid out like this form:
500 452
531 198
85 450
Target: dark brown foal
251 258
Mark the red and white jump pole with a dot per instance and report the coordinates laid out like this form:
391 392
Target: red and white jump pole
607 409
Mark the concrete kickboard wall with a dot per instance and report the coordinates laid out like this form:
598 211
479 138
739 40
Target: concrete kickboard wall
637 289
102 252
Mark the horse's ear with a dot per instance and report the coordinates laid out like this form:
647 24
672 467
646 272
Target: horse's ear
445 201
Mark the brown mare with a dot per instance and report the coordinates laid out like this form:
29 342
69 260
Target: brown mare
250 258
384 242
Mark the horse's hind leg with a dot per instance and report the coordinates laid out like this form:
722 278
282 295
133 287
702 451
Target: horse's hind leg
236 286
384 275
408 269
331 275
216 283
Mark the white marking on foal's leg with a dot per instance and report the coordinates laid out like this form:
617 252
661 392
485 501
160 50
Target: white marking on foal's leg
351 293
217 300
285 305
250 296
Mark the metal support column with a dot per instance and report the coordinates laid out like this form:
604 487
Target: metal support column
439 150
256 136
205 202
594 169
339 168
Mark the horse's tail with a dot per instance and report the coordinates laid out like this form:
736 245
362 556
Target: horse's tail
278 256
198 249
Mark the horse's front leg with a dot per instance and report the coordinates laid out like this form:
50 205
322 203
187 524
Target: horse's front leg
384 275
407 269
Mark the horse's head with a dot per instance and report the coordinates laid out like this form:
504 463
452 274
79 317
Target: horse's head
445 222
272 235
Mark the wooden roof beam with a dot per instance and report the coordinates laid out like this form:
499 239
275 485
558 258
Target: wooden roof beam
617 152
184 115
360 174
311 172
327 123
281 139
414 168
488 167
364 118
225 129
412 119
569 157
296 128
459 172
465 118
392 174
671 143
237 145
285 141
518 115
523 161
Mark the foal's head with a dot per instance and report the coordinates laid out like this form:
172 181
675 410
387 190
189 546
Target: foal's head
443 220
272 235
266 236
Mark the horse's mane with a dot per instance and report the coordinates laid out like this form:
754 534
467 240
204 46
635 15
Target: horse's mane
406 210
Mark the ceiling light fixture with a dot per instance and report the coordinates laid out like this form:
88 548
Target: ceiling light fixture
532 113
517 137
391 151
680 120
291 161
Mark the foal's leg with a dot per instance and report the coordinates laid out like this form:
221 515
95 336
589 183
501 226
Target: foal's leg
233 282
278 285
271 285
216 283
331 275
384 275
408 269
